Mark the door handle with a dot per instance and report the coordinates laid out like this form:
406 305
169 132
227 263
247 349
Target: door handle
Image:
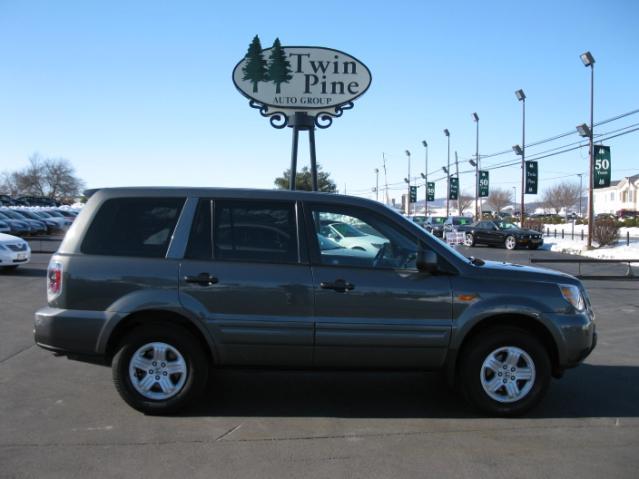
204 279
338 285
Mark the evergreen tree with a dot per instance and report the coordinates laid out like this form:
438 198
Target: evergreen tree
279 68
255 68
304 181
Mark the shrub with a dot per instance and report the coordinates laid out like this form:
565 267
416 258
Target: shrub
605 231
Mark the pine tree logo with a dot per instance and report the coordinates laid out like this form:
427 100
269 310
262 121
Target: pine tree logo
255 69
279 68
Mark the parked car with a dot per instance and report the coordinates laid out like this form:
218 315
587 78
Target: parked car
14 251
333 253
61 223
151 281
501 233
350 237
18 227
6 200
435 225
4 227
627 214
419 219
452 223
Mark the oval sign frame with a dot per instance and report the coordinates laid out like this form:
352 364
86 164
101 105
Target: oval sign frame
344 63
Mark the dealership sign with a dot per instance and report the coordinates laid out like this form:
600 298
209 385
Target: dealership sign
483 183
286 80
453 188
602 165
532 177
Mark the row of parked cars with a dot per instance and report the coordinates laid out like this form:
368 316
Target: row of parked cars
17 222
490 232
22 221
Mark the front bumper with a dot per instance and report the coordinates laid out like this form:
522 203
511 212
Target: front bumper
578 337
13 258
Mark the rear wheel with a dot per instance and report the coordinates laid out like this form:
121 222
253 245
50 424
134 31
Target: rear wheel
510 243
469 239
505 372
159 369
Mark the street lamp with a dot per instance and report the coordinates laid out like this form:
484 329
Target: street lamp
425 176
589 61
447 133
522 98
376 184
408 182
581 190
476 165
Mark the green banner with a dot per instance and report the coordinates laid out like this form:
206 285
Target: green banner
431 191
483 184
602 170
453 192
413 194
532 177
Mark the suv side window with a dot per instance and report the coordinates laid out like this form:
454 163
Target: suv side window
364 239
139 227
255 231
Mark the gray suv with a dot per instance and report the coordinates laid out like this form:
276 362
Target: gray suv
164 284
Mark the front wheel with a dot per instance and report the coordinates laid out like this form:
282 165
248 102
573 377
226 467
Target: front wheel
159 369
505 372
469 240
510 243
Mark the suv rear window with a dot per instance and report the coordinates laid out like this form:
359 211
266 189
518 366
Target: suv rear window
140 227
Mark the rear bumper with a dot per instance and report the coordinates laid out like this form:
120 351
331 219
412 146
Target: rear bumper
69 332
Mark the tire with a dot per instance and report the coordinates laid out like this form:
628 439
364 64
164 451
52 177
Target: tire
487 355
469 239
174 356
13 267
510 243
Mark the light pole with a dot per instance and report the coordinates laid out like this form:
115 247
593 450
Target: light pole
522 98
376 184
589 61
408 183
447 133
477 204
581 189
514 199
425 177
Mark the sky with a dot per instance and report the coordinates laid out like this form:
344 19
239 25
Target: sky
140 93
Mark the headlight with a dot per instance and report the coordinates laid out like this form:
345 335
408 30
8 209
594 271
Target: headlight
572 294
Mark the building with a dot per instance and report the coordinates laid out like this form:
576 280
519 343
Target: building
620 195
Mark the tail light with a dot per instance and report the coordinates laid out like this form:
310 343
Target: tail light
54 280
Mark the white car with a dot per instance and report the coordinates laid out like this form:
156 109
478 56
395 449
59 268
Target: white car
14 251
348 236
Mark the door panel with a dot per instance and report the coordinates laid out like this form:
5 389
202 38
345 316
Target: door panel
390 315
258 314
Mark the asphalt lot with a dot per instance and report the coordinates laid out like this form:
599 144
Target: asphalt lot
60 418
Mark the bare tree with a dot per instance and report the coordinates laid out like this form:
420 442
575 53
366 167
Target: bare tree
465 201
50 177
564 195
499 198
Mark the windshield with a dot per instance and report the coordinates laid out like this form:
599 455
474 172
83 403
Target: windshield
461 221
327 243
56 214
347 230
506 226
437 220
43 214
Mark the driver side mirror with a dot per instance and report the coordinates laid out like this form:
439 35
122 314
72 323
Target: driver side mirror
426 261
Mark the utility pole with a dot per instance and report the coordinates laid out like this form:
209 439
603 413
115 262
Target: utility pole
425 178
385 178
477 199
581 189
447 133
408 182
522 98
376 184
458 186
